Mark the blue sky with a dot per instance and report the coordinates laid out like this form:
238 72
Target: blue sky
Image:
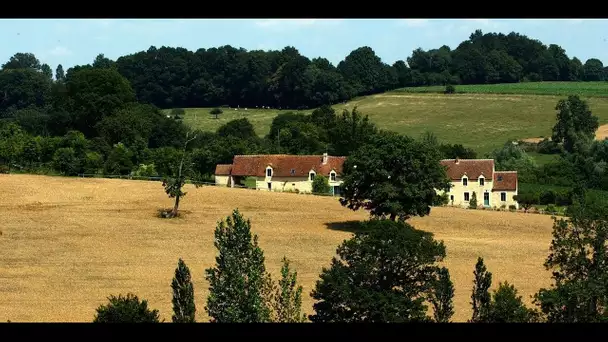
78 41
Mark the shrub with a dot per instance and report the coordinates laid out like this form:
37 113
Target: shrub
551 209
449 89
512 207
473 201
320 185
127 309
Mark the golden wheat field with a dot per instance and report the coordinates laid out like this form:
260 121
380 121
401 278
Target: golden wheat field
68 243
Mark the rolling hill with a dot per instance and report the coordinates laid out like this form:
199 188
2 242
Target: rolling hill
479 116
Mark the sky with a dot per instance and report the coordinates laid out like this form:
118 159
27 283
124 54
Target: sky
77 41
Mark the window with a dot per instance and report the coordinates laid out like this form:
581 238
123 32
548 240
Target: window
312 176
481 181
269 186
451 198
292 172
465 181
466 196
503 196
332 176
268 172
500 178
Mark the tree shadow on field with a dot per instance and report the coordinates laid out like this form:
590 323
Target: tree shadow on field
347 226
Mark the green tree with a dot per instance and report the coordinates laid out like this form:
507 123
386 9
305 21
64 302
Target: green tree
126 309
511 157
12 141
473 201
393 176
216 112
442 296
239 283
47 71
508 307
575 123
119 161
287 301
184 309
59 73
578 261
481 300
66 161
239 128
95 93
383 274
22 60
320 185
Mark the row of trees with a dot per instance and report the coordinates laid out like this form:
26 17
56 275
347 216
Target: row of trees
387 272
176 77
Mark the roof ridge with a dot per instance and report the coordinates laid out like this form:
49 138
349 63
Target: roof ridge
286 155
477 159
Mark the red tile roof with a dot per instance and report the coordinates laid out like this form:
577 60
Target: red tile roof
282 165
473 168
223 169
505 181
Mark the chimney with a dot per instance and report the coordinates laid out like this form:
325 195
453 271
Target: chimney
457 160
324 158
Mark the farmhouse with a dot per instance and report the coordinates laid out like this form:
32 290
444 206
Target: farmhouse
280 172
493 188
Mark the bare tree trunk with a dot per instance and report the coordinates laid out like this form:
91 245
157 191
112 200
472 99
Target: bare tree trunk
175 207
393 217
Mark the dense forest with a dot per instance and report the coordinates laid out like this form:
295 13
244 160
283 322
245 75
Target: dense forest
176 77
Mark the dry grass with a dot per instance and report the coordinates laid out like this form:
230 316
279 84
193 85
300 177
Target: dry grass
600 134
68 243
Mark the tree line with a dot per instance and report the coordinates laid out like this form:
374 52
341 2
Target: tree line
170 77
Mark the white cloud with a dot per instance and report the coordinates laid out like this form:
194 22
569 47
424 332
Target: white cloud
294 23
486 23
413 22
60 51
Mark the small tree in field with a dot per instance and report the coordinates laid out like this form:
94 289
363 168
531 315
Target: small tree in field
442 296
216 112
183 295
239 285
481 298
174 185
127 309
288 297
320 185
473 201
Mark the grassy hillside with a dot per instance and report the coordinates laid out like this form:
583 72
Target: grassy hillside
62 252
481 121
587 89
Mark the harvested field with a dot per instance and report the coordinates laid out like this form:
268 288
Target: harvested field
600 134
68 243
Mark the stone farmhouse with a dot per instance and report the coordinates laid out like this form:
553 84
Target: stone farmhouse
280 172
493 188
